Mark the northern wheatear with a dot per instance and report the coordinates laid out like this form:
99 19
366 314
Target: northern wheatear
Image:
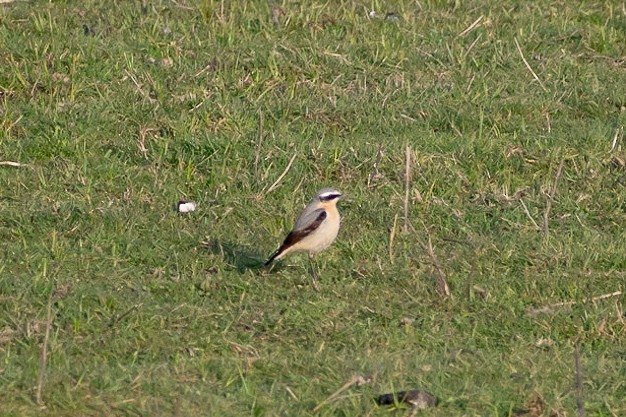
315 229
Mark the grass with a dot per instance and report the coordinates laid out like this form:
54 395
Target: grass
118 110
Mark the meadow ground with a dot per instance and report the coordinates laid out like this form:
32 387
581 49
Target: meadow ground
511 114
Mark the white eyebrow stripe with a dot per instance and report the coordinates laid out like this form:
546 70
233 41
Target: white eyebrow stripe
330 194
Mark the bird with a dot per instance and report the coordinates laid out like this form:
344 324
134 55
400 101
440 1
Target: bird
315 230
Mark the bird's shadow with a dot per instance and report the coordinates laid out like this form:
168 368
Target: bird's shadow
237 256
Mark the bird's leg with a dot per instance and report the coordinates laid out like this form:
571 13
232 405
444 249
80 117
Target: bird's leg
314 273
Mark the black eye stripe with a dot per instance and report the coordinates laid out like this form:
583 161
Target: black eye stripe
329 197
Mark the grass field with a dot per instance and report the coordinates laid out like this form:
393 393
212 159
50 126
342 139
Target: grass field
512 114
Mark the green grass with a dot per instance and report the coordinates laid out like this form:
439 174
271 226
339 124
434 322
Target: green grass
119 109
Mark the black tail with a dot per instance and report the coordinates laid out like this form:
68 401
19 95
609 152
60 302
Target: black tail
274 255
294 237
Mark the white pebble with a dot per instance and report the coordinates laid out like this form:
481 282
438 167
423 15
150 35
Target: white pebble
185 206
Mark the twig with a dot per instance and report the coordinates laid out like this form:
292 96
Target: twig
124 314
12 164
357 379
546 309
528 66
257 153
392 235
273 187
44 352
578 383
407 180
275 12
550 199
442 284
470 27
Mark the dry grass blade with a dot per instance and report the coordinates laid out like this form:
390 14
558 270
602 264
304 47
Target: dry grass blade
257 152
547 309
550 199
392 235
521 200
578 382
470 27
275 185
291 393
608 407
618 134
139 87
407 181
535 76
44 353
357 379
442 283
141 142
470 280
375 174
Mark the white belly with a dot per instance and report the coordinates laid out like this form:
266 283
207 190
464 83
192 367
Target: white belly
320 239
323 237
